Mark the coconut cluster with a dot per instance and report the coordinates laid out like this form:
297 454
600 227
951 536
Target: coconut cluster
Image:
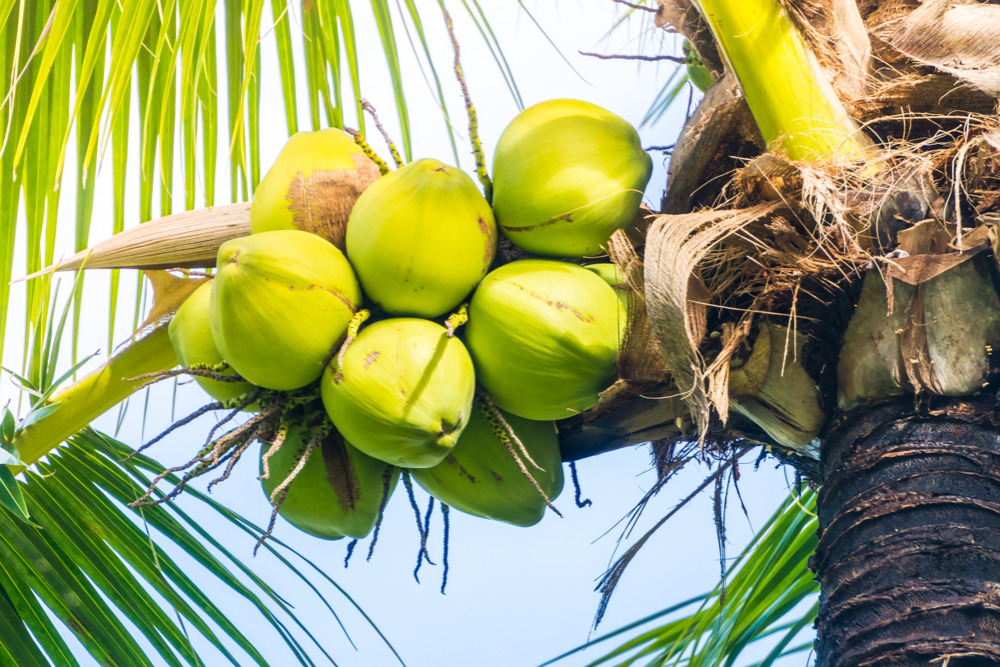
351 313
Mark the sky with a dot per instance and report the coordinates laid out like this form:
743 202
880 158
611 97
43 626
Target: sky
515 596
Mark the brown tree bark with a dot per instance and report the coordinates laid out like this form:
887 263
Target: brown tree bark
909 551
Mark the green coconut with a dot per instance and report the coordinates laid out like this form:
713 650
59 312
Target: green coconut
566 175
281 303
404 392
610 274
337 493
421 239
480 477
191 335
544 336
313 185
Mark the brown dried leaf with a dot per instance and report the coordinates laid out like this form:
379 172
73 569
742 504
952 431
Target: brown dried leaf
676 245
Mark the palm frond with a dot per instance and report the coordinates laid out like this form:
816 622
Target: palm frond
102 569
767 599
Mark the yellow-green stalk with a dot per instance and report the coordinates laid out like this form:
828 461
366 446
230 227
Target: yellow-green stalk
86 400
789 94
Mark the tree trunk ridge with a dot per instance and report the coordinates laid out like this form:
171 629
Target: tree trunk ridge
909 552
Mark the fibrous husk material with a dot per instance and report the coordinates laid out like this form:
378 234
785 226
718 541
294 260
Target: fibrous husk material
955 36
676 298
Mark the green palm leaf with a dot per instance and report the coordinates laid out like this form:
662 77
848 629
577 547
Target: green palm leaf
768 597
95 564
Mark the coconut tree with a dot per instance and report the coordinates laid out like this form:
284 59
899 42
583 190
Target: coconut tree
819 279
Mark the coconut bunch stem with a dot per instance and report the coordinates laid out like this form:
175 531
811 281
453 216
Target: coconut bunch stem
226 449
366 148
457 319
393 151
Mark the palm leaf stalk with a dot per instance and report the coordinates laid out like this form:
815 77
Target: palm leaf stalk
792 100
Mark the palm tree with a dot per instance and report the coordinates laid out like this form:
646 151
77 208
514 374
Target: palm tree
820 279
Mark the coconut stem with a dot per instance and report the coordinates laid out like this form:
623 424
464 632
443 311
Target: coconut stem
210 371
581 502
279 493
227 447
457 319
218 405
470 110
352 332
359 139
279 440
386 482
421 525
504 433
447 536
502 428
314 442
370 108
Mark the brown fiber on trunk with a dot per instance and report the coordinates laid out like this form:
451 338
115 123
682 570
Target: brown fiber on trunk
909 550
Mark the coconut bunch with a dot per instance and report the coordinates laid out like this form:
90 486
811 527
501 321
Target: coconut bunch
339 327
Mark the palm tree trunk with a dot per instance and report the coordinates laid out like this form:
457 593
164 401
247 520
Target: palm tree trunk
909 551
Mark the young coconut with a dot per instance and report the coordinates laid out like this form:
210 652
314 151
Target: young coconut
191 335
421 239
313 185
281 302
337 493
481 477
610 274
403 393
566 175
544 336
